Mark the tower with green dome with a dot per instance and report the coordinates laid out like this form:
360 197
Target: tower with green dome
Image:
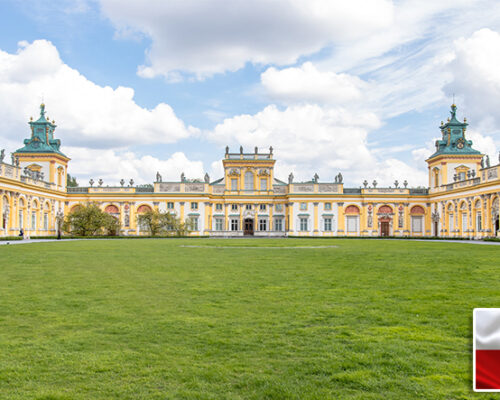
454 159
41 154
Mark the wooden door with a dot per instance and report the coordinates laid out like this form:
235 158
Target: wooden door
384 229
248 226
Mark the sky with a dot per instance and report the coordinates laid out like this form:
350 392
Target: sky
358 87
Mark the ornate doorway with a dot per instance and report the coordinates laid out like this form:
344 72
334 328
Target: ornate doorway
248 226
384 228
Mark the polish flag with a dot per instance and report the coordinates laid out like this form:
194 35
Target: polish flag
486 349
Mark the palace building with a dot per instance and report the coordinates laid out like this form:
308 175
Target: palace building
462 199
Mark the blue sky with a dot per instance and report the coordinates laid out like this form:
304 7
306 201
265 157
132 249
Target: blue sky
358 87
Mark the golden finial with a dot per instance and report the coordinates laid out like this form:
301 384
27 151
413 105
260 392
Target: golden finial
31 118
448 119
441 123
465 119
53 122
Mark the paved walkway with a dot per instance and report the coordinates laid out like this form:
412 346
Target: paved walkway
5 242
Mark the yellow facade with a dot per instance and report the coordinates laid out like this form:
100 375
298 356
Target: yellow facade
462 200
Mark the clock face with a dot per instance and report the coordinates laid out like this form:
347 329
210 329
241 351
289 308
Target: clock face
460 144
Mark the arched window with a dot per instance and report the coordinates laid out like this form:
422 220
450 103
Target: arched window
144 208
143 226
74 208
436 177
417 210
248 180
111 209
352 219
352 210
385 210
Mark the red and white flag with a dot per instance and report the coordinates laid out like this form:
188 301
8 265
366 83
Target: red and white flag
486 349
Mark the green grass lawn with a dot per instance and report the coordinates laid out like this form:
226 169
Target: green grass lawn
150 319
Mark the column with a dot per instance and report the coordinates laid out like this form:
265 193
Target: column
181 216
290 217
271 223
407 220
340 219
363 219
316 221
226 221
208 217
428 220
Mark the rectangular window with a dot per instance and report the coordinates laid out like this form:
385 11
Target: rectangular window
234 207
416 224
262 224
194 223
234 184
219 224
279 207
248 180
303 224
328 206
170 205
478 222
328 224
450 223
352 223
218 207
262 207
194 205
464 222
303 206
278 224
234 224
263 184
461 176
21 219
33 220
248 206
46 221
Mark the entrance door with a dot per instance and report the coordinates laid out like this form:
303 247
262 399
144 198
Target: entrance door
248 226
384 228
436 227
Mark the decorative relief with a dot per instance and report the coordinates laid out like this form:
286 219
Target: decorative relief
303 188
328 188
218 189
9 171
170 187
263 172
492 174
234 172
279 189
195 187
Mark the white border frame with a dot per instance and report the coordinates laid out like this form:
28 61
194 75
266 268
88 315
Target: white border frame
474 350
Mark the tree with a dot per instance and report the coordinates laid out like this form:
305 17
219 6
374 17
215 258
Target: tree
90 220
71 181
159 222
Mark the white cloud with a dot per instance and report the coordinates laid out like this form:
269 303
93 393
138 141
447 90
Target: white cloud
476 79
204 38
310 138
308 84
112 165
88 114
